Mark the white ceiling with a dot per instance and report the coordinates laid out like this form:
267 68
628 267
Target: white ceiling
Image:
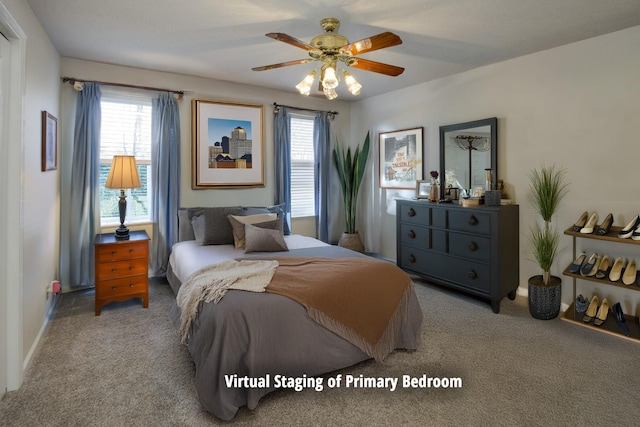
224 39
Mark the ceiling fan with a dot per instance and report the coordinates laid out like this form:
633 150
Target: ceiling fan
332 48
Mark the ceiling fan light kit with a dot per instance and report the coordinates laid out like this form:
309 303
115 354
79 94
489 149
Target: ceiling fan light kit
330 49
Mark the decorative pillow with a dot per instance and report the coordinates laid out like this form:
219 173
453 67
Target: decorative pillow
185 227
279 209
263 239
217 229
270 220
197 222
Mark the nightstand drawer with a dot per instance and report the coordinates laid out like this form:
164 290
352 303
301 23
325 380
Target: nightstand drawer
121 251
120 287
118 269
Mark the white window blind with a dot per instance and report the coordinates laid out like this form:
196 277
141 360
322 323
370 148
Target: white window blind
125 129
302 167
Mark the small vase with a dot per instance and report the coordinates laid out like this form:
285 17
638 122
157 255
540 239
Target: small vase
434 191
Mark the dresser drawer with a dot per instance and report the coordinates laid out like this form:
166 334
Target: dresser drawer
121 251
120 287
470 246
471 275
414 259
117 269
416 213
471 221
411 234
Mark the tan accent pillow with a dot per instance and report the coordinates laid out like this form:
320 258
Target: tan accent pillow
264 240
238 222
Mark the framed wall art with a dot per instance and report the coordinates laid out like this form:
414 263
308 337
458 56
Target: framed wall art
227 145
49 142
400 158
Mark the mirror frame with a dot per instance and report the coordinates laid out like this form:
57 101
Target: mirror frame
493 125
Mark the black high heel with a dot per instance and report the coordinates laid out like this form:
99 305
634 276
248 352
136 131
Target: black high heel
620 320
604 228
581 222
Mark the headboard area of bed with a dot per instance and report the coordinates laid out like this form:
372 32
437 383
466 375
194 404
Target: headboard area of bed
219 215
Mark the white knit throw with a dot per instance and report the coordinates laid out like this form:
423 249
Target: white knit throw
212 282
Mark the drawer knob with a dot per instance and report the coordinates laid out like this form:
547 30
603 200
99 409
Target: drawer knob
131 285
473 246
473 220
131 267
114 288
113 252
412 258
472 274
412 234
411 212
113 270
130 251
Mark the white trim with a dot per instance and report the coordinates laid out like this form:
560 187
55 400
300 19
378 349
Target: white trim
13 182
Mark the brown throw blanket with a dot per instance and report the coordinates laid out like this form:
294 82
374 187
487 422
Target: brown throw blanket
363 300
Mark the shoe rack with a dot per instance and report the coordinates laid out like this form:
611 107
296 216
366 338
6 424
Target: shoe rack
609 326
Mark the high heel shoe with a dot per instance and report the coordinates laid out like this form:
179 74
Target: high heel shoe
616 270
629 275
620 320
605 226
590 314
603 312
591 266
636 233
603 267
577 263
628 230
581 221
590 225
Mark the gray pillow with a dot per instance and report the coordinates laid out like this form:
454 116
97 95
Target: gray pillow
197 222
263 239
279 209
217 229
269 220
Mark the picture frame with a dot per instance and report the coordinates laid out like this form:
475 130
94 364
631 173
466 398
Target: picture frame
49 142
227 144
400 158
422 189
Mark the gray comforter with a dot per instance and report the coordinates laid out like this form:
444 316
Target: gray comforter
255 334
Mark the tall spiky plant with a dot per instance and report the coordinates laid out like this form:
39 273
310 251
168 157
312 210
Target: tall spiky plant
549 188
351 172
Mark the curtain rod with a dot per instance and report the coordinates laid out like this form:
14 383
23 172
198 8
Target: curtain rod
331 113
73 80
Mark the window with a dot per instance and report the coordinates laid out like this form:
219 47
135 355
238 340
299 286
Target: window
302 167
125 129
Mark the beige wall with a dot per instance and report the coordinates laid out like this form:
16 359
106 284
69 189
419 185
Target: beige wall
576 106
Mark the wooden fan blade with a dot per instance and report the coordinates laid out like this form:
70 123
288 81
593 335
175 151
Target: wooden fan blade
291 40
377 67
282 64
379 41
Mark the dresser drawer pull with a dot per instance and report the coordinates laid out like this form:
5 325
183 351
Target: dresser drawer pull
411 212
113 252
412 234
113 270
131 267
131 285
472 274
473 246
412 258
473 220
114 288
130 251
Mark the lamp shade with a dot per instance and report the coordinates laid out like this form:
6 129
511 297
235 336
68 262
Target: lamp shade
123 173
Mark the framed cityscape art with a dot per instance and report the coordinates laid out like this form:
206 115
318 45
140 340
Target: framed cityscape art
400 158
227 145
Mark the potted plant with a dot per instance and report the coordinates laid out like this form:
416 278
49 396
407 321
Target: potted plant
548 187
351 172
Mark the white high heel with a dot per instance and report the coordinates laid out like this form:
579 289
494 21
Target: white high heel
591 224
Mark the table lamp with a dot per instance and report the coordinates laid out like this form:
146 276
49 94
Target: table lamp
123 175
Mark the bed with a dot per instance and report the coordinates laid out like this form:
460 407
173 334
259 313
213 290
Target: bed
258 335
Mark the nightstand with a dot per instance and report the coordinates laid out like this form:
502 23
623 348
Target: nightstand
121 268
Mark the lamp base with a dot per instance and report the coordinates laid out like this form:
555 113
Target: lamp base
122 233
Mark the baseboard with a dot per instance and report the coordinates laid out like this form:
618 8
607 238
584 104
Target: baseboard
45 324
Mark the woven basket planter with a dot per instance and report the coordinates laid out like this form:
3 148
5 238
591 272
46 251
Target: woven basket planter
351 241
544 300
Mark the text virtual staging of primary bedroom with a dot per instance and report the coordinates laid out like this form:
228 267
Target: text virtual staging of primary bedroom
319 213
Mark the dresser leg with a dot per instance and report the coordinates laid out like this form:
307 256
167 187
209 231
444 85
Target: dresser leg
495 306
512 295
